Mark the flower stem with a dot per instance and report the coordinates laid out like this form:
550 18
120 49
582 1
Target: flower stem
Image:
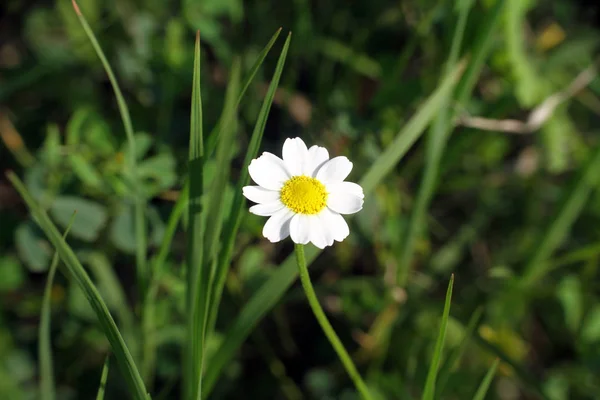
326 326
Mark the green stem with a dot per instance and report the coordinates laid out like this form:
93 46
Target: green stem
327 328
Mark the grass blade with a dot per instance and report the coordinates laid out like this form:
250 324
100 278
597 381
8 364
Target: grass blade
130 171
457 353
235 216
47 387
213 138
430 383
271 292
559 226
195 235
79 275
487 380
103 378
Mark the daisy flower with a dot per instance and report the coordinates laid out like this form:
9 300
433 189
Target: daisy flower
303 194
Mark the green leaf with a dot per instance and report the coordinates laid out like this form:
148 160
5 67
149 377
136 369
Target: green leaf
487 380
91 217
80 276
103 379
271 292
570 294
429 390
590 331
32 247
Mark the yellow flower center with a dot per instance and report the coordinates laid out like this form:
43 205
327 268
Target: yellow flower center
304 195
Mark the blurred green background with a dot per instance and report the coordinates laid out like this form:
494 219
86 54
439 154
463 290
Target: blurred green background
514 215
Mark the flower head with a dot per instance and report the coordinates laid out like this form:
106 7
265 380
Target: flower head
303 194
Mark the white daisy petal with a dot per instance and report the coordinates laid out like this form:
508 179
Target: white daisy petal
295 155
278 226
267 209
320 235
344 203
346 188
317 156
260 195
334 170
336 224
268 171
300 228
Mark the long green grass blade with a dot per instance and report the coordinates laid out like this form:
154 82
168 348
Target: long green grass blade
195 235
457 353
235 216
487 380
271 292
436 142
213 138
558 228
47 387
103 379
130 172
430 383
79 275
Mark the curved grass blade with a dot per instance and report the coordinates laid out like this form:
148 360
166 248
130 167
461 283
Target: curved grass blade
103 378
487 380
47 387
79 275
140 219
271 291
429 391
235 216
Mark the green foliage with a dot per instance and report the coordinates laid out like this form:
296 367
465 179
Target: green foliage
168 273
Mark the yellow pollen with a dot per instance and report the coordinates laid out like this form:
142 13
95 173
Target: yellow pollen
304 195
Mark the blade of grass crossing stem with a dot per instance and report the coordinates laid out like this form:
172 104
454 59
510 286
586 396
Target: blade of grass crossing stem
47 387
269 294
436 142
487 380
195 234
429 391
212 140
457 353
235 216
80 276
103 378
140 220
560 225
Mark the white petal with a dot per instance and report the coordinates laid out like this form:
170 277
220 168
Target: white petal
317 156
346 188
320 234
334 170
344 203
260 195
336 224
295 155
267 209
300 228
278 226
268 171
